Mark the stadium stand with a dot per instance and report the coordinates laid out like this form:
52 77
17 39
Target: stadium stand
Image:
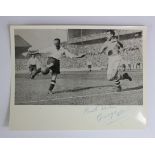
91 43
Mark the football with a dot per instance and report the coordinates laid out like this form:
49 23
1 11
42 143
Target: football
45 70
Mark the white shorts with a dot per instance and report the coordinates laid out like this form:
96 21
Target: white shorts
114 61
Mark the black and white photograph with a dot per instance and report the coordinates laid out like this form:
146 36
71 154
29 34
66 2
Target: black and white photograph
78 66
78 77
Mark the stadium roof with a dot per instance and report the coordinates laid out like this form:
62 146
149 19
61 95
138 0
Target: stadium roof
20 42
123 34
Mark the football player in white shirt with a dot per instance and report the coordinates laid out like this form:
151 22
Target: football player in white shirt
112 47
33 65
53 63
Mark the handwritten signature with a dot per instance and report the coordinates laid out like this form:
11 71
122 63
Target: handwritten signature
107 114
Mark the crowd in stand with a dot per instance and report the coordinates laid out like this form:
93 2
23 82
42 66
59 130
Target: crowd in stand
132 54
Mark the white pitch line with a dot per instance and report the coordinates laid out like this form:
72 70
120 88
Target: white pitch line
72 97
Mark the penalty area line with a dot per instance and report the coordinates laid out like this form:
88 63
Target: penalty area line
72 97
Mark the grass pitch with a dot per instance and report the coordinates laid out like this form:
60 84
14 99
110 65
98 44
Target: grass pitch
78 88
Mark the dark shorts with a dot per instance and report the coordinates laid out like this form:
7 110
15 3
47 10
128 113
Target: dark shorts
89 66
56 65
32 68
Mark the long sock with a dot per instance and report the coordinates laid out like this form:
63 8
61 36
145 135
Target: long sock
117 83
52 84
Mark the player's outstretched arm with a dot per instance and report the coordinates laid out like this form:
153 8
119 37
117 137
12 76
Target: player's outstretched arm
104 48
46 51
71 55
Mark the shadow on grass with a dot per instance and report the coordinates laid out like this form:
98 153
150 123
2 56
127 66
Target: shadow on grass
80 89
133 88
87 88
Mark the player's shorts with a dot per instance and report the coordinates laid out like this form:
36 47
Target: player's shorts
56 65
114 62
32 68
89 66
